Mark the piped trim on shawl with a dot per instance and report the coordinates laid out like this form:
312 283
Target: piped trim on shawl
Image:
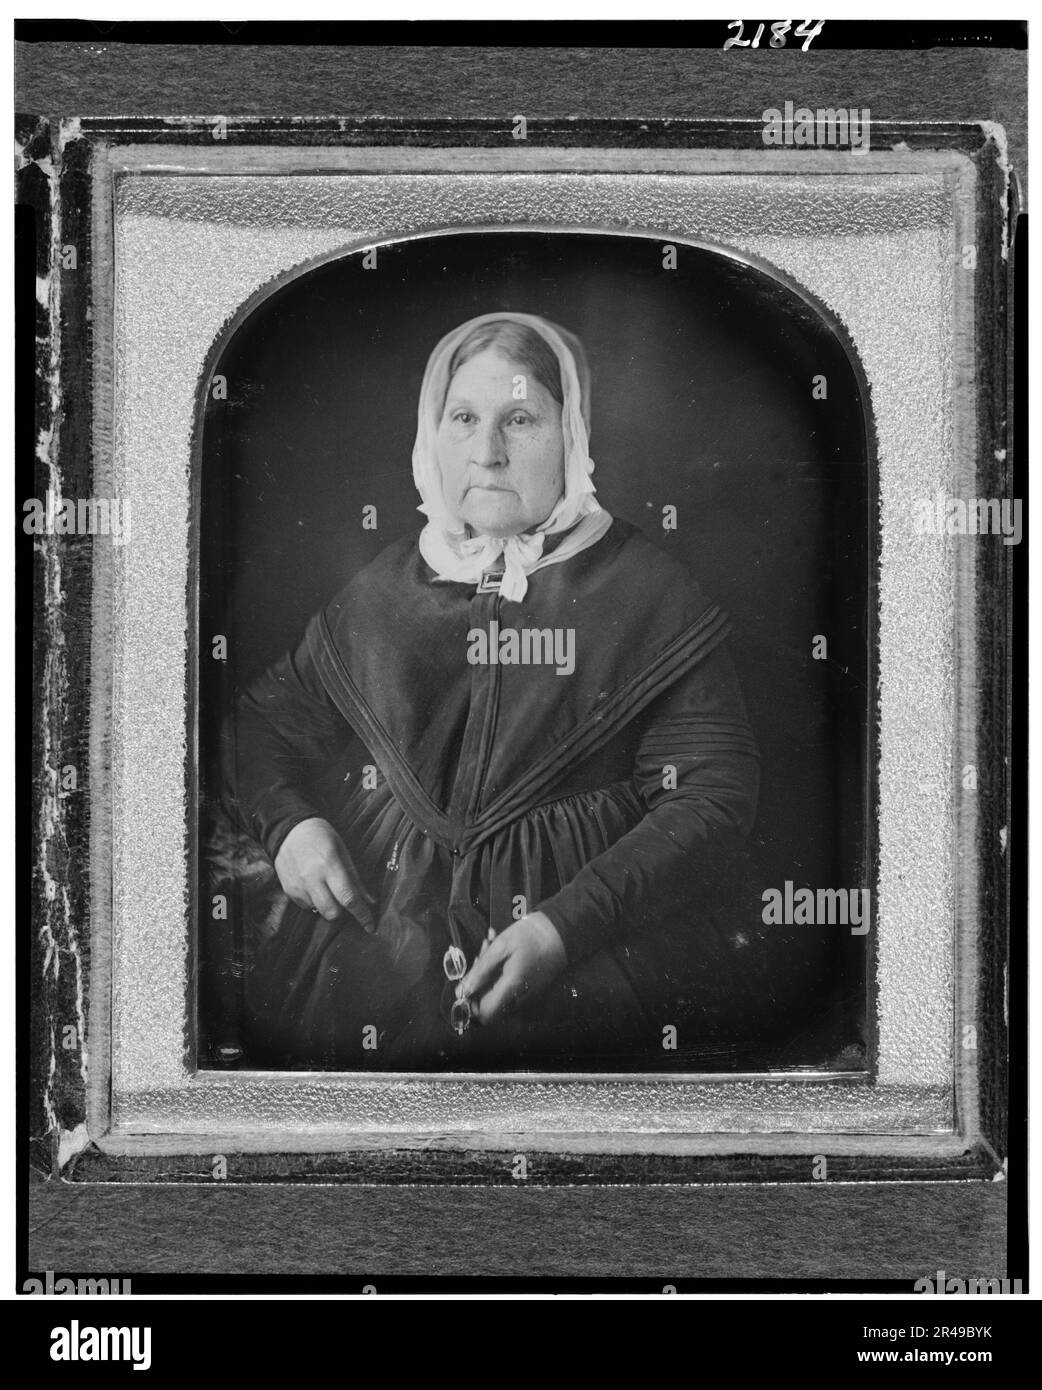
341 689
687 650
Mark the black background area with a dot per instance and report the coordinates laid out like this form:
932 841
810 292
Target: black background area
702 399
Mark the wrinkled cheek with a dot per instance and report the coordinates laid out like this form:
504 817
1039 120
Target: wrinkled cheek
550 464
554 488
451 477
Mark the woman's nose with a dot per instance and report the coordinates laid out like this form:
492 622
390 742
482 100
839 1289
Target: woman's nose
488 448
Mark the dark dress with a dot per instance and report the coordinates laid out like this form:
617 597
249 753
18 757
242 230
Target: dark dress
616 800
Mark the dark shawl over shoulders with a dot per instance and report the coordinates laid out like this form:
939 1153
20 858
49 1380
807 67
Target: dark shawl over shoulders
391 653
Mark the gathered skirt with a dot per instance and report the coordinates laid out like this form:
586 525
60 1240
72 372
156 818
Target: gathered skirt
702 979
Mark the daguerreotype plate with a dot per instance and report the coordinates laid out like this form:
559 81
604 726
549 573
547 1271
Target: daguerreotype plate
529 601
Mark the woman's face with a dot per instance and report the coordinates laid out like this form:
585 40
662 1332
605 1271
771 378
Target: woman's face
501 452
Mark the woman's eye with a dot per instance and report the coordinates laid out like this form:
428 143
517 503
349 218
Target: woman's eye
463 417
519 419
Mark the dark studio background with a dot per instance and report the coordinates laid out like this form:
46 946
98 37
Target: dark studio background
702 398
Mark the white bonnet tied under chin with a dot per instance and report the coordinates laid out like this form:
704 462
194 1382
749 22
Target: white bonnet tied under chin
445 544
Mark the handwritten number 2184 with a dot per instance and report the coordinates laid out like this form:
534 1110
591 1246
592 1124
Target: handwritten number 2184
808 31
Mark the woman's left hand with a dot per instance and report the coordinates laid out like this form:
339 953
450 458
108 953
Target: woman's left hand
520 962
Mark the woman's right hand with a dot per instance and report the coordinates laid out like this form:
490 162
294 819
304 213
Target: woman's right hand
316 872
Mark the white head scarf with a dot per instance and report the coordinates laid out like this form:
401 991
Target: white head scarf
444 541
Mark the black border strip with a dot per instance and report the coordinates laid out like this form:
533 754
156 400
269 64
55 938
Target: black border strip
837 34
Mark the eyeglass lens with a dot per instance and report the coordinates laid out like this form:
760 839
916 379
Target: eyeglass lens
459 1015
455 963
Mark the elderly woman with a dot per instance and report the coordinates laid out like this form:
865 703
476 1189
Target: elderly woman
506 777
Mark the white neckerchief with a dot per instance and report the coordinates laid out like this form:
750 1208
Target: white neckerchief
444 543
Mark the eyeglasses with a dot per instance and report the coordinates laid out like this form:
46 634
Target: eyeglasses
454 963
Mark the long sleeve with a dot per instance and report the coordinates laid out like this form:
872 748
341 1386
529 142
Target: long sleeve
697 773
284 745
